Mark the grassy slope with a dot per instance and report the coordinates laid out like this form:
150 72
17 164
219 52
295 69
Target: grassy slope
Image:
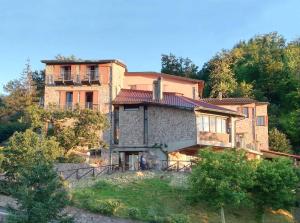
156 196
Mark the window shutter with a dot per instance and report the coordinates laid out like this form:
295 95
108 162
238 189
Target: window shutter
266 120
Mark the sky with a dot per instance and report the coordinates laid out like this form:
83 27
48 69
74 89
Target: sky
135 31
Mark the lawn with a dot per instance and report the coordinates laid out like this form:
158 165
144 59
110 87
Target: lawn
156 197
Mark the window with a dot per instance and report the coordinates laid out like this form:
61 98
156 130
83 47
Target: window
260 121
92 72
207 123
246 112
131 107
65 72
212 124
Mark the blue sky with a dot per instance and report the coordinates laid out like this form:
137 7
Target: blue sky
135 31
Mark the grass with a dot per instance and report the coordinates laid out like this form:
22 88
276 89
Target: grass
155 199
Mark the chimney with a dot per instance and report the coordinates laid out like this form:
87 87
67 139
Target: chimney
158 89
220 96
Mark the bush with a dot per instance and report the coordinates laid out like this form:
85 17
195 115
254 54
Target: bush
278 141
9 128
133 212
71 158
108 207
177 218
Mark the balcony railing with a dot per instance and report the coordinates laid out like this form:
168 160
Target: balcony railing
92 77
70 106
67 78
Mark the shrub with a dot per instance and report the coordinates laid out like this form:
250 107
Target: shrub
278 141
108 207
71 158
133 212
177 218
7 129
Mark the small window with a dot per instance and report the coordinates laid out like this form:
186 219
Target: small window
246 112
131 107
212 124
260 121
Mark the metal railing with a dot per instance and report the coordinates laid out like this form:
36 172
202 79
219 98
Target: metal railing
80 173
73 106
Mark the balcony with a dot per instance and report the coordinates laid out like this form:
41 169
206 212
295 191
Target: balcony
69 106
92 77
66 78
213 139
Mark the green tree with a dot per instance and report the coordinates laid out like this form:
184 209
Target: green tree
278 141
275 185
41 195
179 66
221 77
80 127
22 150
221 179
243 90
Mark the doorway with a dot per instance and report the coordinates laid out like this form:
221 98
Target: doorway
129 160
89 100
69 100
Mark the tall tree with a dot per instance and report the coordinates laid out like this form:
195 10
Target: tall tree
178 66
221 77
41 195
222 179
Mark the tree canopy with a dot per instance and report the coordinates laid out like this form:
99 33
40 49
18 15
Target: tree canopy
265 67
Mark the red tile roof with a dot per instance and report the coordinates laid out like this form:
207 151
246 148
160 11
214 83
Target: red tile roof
156 74
231 101
128 96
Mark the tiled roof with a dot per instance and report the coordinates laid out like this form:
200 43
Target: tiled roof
231 101
128 96
156 74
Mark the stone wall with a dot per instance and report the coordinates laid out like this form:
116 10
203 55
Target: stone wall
175 128
131 124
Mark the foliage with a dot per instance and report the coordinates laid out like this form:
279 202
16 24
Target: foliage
133 212
267 66
71 158
156 199
278 141
71 128
40 194
21 93
222 178
275 185
23 149
221 77
8 128
178 66
62 58
107 207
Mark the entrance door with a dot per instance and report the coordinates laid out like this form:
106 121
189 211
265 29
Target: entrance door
129 160
69 100
89 100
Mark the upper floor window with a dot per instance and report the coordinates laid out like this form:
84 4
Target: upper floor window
260 121
207 123
246 112
92 72
65 72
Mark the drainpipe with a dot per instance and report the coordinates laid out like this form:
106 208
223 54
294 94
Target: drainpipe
232 133
110 113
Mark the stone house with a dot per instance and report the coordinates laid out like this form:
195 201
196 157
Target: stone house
152 114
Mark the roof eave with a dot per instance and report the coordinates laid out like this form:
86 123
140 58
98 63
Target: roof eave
232 113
